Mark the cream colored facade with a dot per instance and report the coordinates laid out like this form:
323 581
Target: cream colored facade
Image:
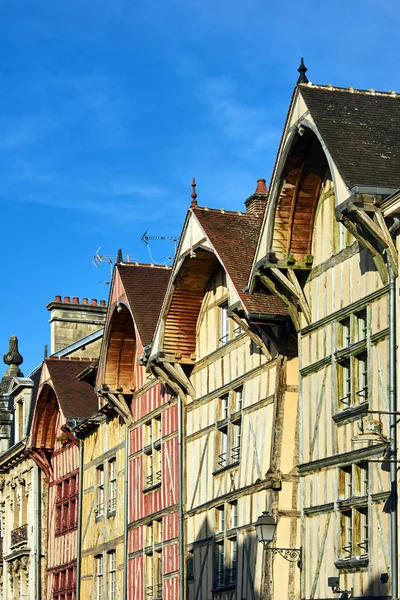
239 424
103 516
327 251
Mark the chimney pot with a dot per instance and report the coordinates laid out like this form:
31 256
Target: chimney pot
85 301
58 299
67 299
103 303
94 302
75 300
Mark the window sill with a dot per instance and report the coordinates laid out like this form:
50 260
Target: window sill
111 513
350 413
353 564
223 469
99 517
223 588
151 488
66 530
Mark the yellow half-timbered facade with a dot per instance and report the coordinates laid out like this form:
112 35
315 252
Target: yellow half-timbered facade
327 249
228 358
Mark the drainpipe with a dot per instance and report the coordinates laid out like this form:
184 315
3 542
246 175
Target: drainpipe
393 433
79 540
181 544
38 533
126 516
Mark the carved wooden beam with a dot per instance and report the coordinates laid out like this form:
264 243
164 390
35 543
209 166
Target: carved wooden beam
305 307
167 380
293 312
120 405
376 254
391 251
259 342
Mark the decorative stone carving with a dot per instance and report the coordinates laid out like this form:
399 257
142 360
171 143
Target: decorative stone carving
21 477
25 563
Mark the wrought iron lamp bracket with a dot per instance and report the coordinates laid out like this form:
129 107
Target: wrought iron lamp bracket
290 554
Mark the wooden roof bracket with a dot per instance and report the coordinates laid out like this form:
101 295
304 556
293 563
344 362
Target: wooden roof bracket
276 287
120 405
167 380
373 234
248 328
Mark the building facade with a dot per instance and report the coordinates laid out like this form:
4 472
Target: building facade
328 250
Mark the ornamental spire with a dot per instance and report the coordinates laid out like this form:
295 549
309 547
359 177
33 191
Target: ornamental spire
194 194
302 70
13 359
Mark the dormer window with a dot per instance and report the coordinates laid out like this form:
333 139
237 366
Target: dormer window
19 420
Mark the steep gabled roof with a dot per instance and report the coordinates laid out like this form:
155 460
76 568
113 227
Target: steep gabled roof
234 236
145 287
361 130
76 398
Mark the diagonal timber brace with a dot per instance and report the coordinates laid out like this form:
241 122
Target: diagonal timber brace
285 295
258 341
119 403
372 233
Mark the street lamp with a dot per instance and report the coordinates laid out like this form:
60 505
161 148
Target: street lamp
265 528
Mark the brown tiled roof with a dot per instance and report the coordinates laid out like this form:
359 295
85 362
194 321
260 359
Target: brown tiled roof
145 287
76 398
361 130
234 237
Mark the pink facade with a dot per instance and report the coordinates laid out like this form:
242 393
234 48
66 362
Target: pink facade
61 399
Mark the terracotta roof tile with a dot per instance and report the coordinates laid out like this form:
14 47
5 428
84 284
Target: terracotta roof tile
76 398
145 287
234 237
361 130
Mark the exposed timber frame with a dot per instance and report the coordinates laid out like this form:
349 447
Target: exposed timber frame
371 232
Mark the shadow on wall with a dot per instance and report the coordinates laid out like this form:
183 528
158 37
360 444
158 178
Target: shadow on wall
369 593
224 561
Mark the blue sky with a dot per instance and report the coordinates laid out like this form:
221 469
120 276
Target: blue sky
110 107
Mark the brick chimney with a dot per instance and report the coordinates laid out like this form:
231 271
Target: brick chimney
71 321
256 204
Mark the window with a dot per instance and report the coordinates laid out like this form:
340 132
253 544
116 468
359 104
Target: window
224 324
64 584
353 511
19 420
154 583
66 504
100 490
152 434
112 485
99 577
225 556
112 576
190 565
352 360
229 427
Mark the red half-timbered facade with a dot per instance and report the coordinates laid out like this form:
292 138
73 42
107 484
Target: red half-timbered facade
62 400
151 413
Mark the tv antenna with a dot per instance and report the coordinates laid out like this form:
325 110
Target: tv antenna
164 238
111 259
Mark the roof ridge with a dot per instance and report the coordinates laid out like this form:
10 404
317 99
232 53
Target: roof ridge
137 264
332 88
223 211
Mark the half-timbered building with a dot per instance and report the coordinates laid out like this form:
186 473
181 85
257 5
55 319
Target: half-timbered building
62 400
129 502
326 249
227 357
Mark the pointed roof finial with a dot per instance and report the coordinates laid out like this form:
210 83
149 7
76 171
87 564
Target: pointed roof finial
194 194
119 256
13 359
302 70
